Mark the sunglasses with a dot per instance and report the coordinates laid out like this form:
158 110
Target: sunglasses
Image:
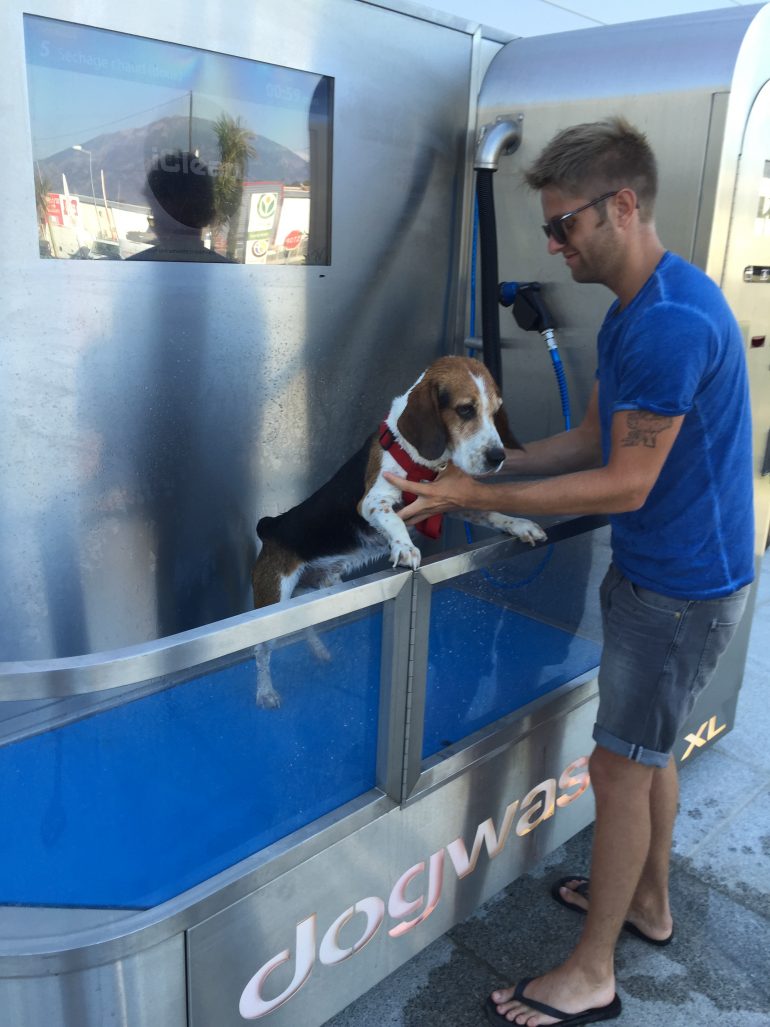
556 228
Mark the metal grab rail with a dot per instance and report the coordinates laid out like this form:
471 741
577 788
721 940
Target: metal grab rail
133 665
482 554
100 672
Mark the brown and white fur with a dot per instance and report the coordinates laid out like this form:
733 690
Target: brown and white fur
452 412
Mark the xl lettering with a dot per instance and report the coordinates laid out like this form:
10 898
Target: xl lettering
697 740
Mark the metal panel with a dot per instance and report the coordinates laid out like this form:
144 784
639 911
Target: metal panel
635 70
155 412
751 73
394 881
143 990
394 685
70 676
748 247
711 170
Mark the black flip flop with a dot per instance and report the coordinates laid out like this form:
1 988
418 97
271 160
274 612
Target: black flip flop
608 1012
582 890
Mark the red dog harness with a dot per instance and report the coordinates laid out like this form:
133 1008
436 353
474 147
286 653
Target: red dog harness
431 526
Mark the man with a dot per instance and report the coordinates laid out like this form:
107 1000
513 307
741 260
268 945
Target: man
665 449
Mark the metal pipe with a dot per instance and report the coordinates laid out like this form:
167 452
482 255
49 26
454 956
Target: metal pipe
500 138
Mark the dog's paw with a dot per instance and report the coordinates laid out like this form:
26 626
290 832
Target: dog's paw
402 555
317 647
521 528
268 699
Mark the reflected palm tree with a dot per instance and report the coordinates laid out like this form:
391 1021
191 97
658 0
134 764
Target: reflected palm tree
235 149
42 189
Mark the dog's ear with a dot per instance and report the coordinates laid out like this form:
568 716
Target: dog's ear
421 423
507 437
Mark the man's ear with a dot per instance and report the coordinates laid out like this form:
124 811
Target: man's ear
626 202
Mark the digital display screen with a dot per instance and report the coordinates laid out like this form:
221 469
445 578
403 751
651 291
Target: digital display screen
145 150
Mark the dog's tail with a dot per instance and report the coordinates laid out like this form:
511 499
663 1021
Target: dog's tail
265 527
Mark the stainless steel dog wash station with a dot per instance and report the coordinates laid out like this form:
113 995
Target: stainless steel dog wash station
171 854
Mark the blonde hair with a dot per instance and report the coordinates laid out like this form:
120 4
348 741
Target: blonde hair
597 157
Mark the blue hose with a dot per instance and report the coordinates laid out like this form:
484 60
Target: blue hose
561 378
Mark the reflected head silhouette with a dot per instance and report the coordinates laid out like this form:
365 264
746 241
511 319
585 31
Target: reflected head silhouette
180 191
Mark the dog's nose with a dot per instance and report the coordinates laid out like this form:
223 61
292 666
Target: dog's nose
494 456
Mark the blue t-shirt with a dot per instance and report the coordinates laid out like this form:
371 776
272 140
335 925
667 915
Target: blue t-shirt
677 349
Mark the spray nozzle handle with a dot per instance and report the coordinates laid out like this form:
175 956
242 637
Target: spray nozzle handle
529 309
506 293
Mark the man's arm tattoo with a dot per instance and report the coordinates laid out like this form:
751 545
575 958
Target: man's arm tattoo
644 428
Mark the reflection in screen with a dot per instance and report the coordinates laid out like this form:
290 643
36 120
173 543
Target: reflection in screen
146 150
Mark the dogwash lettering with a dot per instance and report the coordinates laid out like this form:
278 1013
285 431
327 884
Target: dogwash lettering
538 805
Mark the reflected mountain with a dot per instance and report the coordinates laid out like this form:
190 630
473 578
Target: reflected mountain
125 156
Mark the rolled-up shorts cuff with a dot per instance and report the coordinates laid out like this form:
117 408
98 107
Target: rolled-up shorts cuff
659 653
637 753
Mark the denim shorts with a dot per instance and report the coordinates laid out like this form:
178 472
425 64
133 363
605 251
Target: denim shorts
659 653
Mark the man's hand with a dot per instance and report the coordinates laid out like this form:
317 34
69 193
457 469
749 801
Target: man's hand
453 489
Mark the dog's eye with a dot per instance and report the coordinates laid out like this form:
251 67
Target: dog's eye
466 411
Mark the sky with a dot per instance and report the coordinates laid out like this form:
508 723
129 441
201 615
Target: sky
85 82
540 17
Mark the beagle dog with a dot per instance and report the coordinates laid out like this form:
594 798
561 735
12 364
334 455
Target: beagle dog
452 412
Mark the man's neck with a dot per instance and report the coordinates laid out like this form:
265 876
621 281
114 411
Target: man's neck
639 267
